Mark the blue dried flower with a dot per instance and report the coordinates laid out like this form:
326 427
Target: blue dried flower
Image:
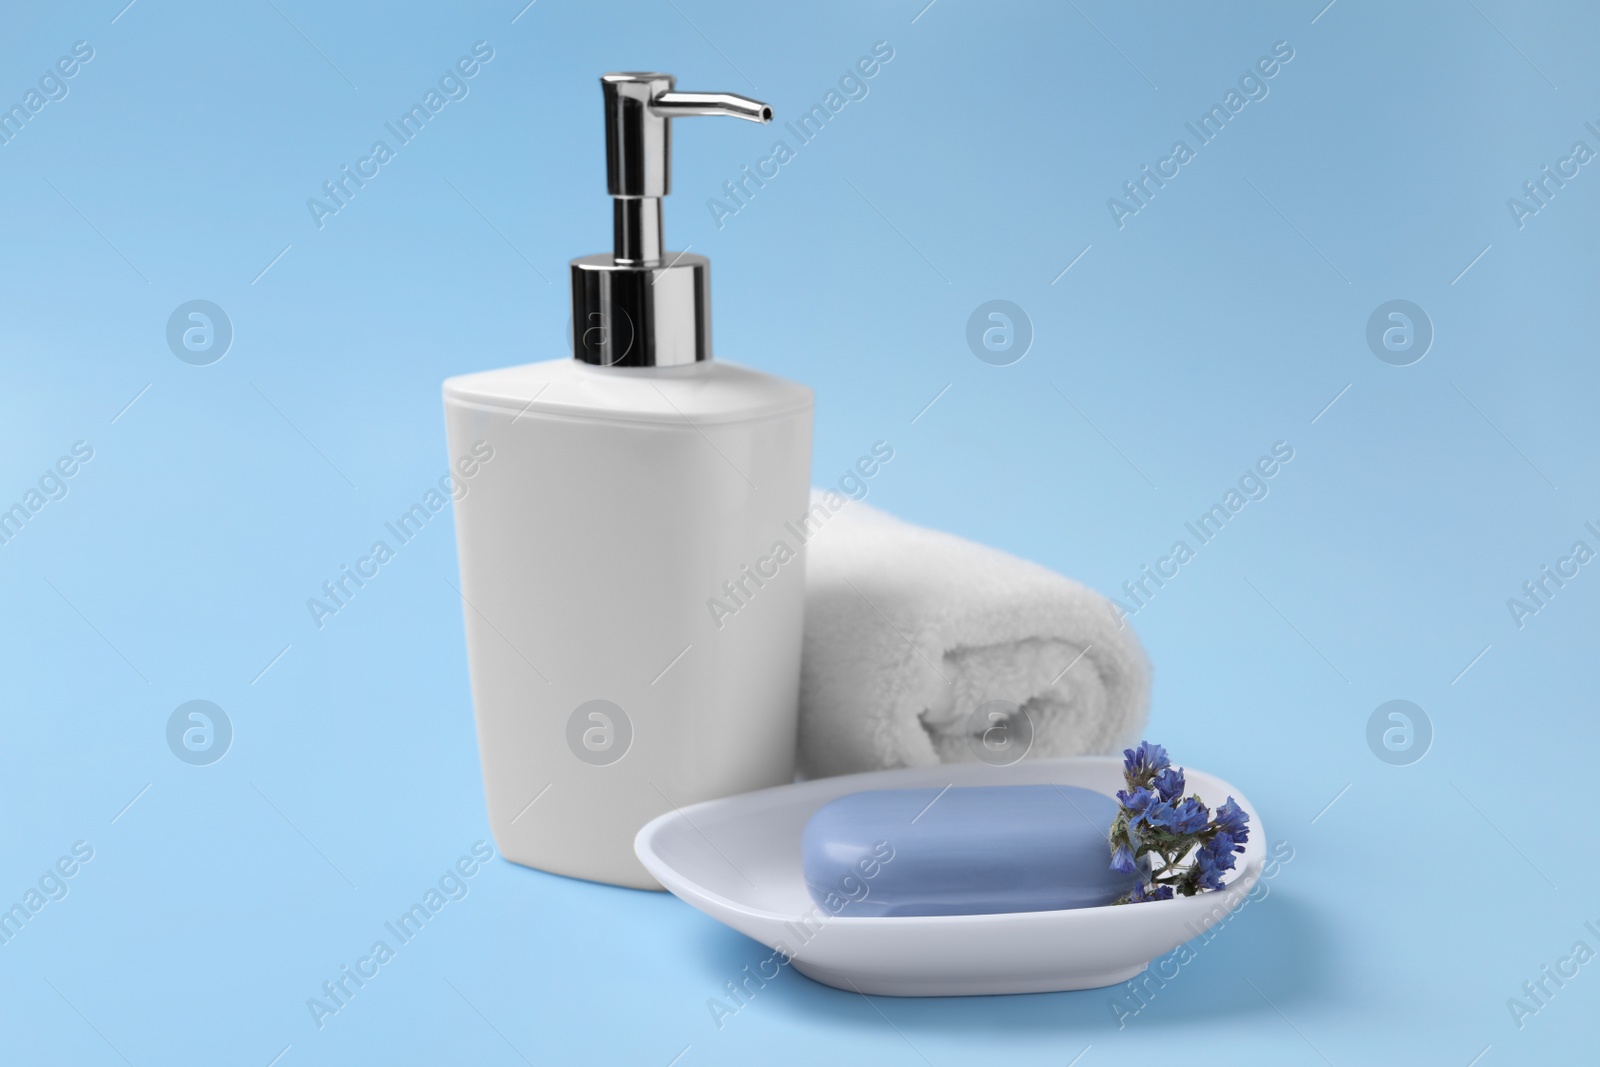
1214 859
1190 817
1145 892
1224 845
1204 873
1137 800
1233 820
1157 815
1146 759
1186 817
1158 827
1169 783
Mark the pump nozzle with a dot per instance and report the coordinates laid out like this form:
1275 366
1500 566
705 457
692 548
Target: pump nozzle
673 104
642 310
639 108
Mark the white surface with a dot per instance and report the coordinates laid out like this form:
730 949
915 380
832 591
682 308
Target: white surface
909 631
617 503
738 860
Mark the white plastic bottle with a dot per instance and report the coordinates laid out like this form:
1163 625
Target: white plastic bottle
633 598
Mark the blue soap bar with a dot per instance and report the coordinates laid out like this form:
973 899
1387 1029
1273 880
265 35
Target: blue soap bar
962 851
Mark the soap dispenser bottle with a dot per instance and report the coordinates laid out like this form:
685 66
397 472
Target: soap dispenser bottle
632 589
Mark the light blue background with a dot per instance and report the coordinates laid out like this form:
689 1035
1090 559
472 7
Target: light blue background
1222 318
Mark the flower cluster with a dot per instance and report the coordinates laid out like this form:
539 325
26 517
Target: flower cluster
1158 827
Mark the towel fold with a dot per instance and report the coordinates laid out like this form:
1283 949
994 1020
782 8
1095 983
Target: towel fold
920 646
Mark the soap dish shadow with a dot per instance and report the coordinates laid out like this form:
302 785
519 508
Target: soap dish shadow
1273 948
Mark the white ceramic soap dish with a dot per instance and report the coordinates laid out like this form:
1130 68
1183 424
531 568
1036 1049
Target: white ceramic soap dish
738 860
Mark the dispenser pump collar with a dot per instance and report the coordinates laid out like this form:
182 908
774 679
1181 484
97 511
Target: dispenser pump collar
640 306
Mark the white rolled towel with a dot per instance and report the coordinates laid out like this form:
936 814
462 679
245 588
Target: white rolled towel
909 631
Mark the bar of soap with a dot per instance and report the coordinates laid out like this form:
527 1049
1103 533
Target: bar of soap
972 850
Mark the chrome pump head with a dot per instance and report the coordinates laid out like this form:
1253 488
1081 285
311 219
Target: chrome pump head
641 306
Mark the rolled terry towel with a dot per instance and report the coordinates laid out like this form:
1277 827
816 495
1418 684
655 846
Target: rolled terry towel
909 631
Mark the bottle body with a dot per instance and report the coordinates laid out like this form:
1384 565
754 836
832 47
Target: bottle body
633 596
